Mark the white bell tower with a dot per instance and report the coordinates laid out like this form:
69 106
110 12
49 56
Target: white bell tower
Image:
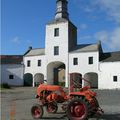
61 37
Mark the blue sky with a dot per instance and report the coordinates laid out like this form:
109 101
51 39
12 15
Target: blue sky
23 23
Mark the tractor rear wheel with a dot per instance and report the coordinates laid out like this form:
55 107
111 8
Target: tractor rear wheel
77 109
52 107
37 111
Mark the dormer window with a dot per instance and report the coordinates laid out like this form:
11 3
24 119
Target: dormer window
56 32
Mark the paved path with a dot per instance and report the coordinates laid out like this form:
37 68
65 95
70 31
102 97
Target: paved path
17 102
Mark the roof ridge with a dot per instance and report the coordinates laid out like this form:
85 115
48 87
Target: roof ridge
12 55
37 48
111 52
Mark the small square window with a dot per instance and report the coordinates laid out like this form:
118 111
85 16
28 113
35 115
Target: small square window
39 62
56 50
115 78
75 61
90 60
56 32
11 76
28 63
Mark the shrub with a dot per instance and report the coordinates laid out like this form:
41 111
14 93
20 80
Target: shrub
5 85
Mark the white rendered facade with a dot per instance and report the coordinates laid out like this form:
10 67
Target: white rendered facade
83 67
106 75
62 42
34 69
62 35
12 74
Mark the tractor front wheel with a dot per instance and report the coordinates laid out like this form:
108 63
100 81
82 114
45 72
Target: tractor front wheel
37 111
52 107
77 109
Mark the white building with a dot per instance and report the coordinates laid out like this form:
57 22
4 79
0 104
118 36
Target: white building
63 56
12 70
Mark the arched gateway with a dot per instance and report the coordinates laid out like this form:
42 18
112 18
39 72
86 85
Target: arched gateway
38 78
28 79
56 73
92 78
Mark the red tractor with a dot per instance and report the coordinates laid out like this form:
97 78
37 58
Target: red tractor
79 105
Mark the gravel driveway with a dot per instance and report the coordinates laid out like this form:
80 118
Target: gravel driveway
17 102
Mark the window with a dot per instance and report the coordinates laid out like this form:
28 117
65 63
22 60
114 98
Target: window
115 78
56 32
39 62
11 76
56 50
90 60
28 63
75 61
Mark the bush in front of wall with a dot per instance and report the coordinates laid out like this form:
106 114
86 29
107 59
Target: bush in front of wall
5 85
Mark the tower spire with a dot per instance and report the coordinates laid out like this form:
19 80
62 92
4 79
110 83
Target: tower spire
61 10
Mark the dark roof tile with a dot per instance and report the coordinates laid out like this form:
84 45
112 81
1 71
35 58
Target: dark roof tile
85 48
11 59
35 52
110 57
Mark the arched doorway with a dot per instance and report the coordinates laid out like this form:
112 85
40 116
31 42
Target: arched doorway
28 79
75 81
56 73
93 78
38 78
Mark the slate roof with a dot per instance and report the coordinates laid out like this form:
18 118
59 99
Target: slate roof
35 52
11 59
110 57
85 48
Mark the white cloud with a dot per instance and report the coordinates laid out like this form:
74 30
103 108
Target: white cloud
88 9
83 26
115 39
110 39
102 35
28 41
111 7
16 40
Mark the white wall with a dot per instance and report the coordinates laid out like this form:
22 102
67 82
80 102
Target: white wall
83 67
107 71
34 68
61 41
12 69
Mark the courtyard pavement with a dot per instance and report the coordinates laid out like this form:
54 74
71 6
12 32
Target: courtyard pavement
16 104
